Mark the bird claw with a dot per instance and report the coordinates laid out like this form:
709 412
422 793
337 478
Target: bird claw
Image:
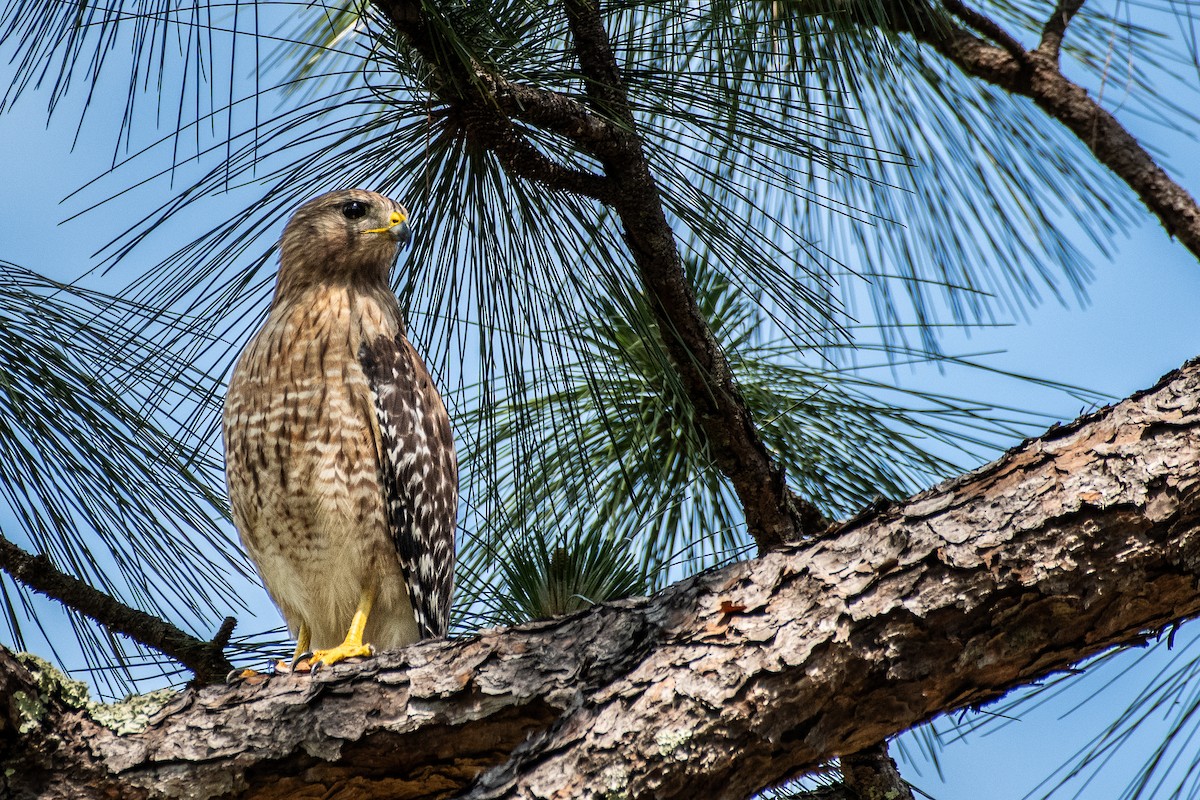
301 662
327 658
249 677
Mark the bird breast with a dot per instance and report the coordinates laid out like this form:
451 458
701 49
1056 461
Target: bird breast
303 450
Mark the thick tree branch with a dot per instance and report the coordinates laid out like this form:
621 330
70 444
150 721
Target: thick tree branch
1037 77
28 749
206 660
1086 538
608 132
941 602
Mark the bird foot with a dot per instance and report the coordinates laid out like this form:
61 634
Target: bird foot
248 677
345 650
301 662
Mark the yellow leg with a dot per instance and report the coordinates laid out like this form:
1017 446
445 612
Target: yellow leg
302 643
353 646
303 637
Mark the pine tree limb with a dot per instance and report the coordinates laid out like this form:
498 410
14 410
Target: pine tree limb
1075 542
206 660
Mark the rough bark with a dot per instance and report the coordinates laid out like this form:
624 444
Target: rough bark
1083 539
871 774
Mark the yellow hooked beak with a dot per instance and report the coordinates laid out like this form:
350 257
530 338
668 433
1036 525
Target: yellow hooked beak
397 228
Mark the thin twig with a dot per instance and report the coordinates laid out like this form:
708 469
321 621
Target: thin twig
553 112
206 660
989 28
515 152
1056 28
1039 78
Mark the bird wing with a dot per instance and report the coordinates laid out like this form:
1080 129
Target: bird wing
420 475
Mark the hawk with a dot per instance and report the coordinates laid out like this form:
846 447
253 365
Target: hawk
339 458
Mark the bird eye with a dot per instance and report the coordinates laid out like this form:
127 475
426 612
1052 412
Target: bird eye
354 209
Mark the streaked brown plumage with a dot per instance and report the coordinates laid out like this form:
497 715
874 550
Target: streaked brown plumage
339 457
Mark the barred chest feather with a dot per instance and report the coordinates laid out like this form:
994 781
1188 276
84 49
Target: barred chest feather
304 454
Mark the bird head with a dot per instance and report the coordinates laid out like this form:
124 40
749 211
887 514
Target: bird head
351 235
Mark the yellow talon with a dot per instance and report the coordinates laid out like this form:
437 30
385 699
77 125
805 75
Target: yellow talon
347 649
298 662
353 646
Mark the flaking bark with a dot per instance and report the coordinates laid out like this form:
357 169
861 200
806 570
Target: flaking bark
1083 539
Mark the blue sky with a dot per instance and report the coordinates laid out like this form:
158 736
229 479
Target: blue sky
1141 322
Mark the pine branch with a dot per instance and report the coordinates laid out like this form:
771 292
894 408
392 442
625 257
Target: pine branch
486 104
1056 28
1039 78
206 660
607 131
773 514
1083 539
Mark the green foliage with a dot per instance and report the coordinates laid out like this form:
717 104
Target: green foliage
111 496
620 458
540 575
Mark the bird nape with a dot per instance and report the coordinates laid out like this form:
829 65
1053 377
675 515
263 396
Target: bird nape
339 457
